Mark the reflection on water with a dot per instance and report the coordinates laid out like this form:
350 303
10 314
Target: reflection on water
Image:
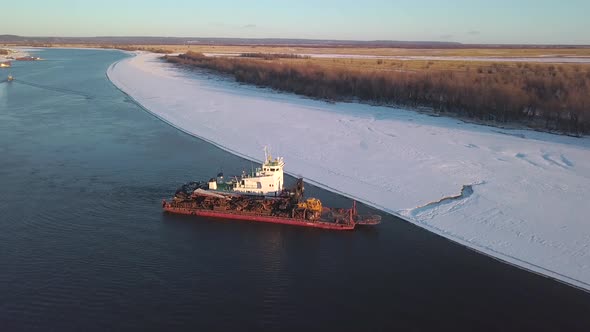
84 244
3 94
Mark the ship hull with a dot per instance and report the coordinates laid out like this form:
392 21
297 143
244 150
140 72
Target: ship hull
258 218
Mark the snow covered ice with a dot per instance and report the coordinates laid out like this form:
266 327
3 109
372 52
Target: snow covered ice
518 195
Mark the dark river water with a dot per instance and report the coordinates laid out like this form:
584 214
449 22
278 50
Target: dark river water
84 245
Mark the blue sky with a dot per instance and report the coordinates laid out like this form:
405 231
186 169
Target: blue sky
475 21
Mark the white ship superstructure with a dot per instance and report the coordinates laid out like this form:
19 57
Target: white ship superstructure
264 180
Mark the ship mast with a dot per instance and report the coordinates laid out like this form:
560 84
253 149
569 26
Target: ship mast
267 155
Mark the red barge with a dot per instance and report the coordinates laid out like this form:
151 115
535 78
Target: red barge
244 198
288 209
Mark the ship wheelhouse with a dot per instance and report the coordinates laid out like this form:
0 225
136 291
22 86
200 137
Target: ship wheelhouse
264 180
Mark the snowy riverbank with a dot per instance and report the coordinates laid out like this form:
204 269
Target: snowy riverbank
518 195
14 54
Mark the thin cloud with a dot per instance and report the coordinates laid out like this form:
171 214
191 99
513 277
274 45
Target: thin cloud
446 36
249 26
473 32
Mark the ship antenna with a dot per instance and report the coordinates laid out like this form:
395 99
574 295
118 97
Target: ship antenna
267 154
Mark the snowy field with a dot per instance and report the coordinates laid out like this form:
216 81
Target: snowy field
538 59
518 195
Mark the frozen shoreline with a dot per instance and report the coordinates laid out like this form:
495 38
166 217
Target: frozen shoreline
526 202
15 53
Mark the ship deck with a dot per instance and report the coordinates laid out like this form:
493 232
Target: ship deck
255 217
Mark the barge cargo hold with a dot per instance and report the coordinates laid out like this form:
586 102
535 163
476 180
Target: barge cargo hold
286 209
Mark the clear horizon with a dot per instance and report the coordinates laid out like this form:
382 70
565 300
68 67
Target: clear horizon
477 22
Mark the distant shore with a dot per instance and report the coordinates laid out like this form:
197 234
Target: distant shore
421 51
460 83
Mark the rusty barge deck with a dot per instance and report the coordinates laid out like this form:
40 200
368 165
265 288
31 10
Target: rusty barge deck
254 217
289 208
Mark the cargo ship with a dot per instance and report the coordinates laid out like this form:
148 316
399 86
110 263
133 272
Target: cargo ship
260 197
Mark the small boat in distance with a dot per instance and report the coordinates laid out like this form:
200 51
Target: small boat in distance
6 64
10 78
28 58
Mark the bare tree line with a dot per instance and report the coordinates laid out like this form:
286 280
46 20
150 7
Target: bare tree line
544 96
274 56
